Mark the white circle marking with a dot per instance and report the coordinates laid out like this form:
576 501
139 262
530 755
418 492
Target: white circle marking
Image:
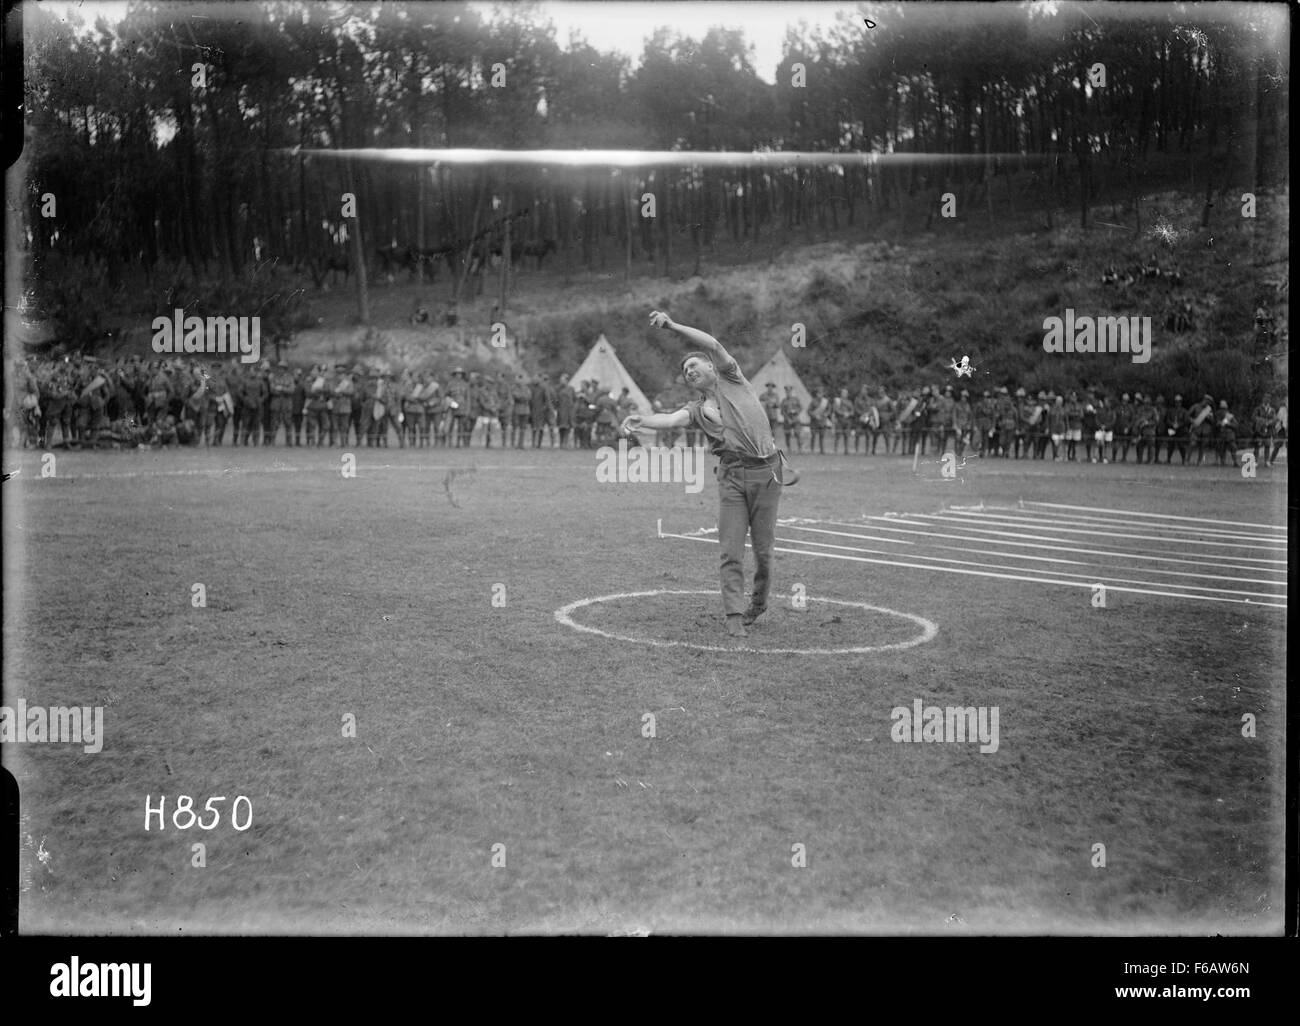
928 628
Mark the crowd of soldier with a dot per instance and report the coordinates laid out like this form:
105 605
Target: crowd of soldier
81 402
1091 427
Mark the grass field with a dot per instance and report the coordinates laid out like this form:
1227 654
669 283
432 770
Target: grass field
482 724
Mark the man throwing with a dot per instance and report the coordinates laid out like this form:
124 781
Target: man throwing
750 467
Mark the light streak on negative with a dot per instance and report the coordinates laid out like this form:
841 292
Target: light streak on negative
647 158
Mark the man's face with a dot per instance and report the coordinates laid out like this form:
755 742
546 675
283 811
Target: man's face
699 373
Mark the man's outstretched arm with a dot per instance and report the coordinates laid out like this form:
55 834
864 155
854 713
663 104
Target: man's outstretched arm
703 339
656 421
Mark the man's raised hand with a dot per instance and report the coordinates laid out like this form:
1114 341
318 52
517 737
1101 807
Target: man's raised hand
659 319
629 425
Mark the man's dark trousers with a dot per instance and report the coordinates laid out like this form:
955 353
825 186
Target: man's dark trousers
749 492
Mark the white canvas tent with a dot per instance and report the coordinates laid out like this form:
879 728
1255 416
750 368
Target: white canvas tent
780 370
603 364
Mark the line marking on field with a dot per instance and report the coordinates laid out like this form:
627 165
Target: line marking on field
1096 578
1040 559
1071 520
564 615
1123 566
1157 516
1005 577
1161 555
1219 539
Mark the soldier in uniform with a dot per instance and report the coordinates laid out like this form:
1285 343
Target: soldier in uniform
440 412
282 387
1146 423
1073 426
1175 431
1089 427
458 430
431 398
941 427
1105 432
1007 422
257 394
584 416
986 413
1057 426
1202 426
1024 428
1225 422
791 409
54 386
1124 413
355 420
863 429
962 418
489 414
842 418
159 397
819 419
343 393
1262 424
540 402
268 432
625 405
122 403
413 413
392 395
566 403
194 414
317 409
1279 431
520 402
918 425
606 419
1041 432
299 405
368 395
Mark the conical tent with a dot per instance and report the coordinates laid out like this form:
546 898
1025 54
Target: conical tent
779 370
603 365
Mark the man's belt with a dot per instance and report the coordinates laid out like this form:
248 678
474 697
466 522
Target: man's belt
732 459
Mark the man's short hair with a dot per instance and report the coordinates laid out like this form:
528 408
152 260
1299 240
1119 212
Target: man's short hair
693 355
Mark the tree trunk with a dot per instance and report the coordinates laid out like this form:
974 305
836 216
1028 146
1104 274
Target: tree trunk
359 255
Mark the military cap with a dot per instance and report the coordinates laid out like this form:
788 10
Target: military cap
1178 398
